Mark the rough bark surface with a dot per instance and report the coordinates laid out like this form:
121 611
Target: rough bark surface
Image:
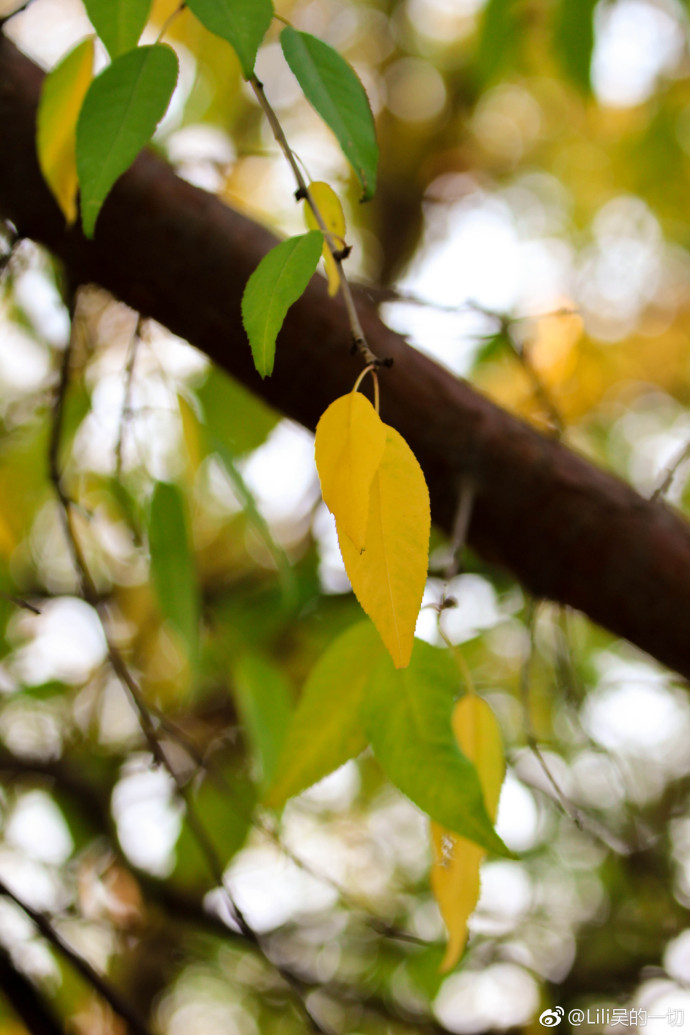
567 530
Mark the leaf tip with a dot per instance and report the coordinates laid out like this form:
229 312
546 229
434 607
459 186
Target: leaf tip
401 656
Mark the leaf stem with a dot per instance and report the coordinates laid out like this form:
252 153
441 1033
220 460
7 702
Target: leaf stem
370 369
169 20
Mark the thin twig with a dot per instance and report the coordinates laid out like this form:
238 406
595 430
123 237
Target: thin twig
587 823
127 680
461 524
19 602
169 20
392 294
532 742
31 1007
505 325
126 413
205 765
671 471
359 341
540 390
95 979
13 240
521 353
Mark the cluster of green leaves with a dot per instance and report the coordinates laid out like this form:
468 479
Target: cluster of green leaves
90 130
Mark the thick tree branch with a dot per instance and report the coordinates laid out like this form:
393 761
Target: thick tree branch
568 531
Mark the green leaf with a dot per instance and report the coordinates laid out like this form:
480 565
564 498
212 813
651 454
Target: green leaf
120 113
574 40
326 728
265 705
234 415
172 566
119 23
223 804
333 89
278 281
499 38
407 715
494 346
243 23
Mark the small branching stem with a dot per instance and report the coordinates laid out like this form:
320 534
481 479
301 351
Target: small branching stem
94 978
532 741
126 414
359 341
461 523
541 392
148 726
169 20
19 602
671 471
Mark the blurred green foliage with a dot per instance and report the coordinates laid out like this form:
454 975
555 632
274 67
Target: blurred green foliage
192 500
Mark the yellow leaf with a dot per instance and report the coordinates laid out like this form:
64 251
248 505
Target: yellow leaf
456 863
191 436
350 439
64 90
389 574
328 204
8 540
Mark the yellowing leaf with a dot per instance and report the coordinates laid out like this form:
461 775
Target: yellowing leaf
407 717
389 574
326 729
331 211
455 869
63 91
350 439
191 436
8 540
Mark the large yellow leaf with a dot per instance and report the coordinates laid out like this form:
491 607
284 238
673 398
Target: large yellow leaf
350 439
63 91
328 204
456 862
389 574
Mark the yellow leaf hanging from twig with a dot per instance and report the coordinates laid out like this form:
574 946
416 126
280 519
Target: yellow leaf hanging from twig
63 92
456 861
388 576
331 211
350 439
